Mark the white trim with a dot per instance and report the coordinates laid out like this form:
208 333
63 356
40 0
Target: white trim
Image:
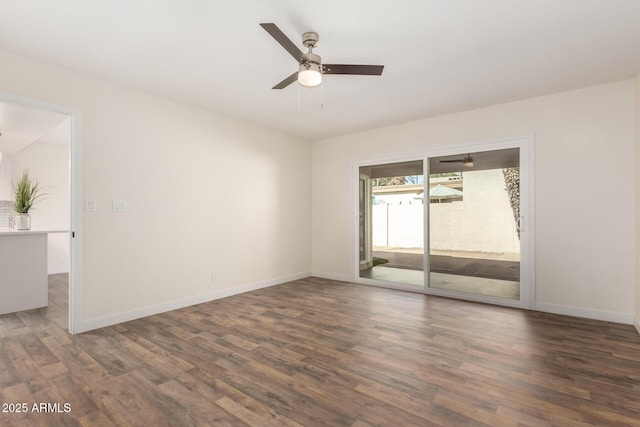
426 225
637 324
77 232
75 189
126 316
587 313
529 210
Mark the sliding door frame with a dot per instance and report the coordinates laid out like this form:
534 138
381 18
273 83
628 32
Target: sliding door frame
527 245
356 271
525 144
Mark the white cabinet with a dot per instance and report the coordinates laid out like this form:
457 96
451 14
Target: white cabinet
23 271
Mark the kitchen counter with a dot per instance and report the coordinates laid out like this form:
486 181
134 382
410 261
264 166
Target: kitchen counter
13 231
23 269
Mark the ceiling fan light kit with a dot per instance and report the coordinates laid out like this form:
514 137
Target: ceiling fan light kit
310 77
311 68
310 71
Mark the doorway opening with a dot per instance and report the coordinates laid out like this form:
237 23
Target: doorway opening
45 139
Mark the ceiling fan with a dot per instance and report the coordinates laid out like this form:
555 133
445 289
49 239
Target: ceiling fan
311 68
466 161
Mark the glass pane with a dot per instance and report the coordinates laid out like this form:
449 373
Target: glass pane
392 222
474 243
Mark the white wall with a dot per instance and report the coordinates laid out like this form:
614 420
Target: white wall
206 194
637 319
5 178
49 164
585 190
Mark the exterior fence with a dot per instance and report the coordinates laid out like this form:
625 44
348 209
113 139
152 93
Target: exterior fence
482 222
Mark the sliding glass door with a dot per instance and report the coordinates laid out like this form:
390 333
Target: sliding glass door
474 240
391 224
449 224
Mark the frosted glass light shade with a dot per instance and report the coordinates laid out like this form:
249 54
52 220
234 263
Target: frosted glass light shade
309 78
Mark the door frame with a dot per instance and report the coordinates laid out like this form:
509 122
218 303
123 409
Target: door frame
527 238
364 221
75 197
525 144
356 242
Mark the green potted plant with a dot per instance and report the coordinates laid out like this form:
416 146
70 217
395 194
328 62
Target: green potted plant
27 191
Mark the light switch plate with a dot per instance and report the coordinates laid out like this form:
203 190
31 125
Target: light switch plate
91 205
119 205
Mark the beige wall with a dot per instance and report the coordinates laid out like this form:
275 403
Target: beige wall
49 164
585 190
637 318
206 194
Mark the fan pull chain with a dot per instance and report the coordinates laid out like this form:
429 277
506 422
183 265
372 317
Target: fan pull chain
321 96
298 98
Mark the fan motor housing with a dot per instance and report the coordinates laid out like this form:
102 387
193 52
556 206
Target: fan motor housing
310 39
313 59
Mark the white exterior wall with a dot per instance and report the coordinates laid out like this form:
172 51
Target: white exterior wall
405 225
585 246
481 222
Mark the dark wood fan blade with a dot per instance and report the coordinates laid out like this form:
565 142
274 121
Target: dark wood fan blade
366 70
452 161
284 41
286 82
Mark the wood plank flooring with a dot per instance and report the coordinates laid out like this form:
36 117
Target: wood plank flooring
317 352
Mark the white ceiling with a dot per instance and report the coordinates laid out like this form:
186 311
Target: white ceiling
21 125
440 56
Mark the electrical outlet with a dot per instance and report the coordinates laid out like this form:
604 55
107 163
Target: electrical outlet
119 205
213 277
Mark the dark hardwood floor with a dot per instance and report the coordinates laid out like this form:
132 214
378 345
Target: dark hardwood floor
317 352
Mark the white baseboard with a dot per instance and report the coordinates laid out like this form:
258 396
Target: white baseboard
608 316
88 325
332 276
101 322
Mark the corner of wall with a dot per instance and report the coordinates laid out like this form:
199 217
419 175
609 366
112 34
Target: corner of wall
637 317
110 320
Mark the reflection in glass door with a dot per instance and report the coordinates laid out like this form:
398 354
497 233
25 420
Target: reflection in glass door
473 220
391 224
